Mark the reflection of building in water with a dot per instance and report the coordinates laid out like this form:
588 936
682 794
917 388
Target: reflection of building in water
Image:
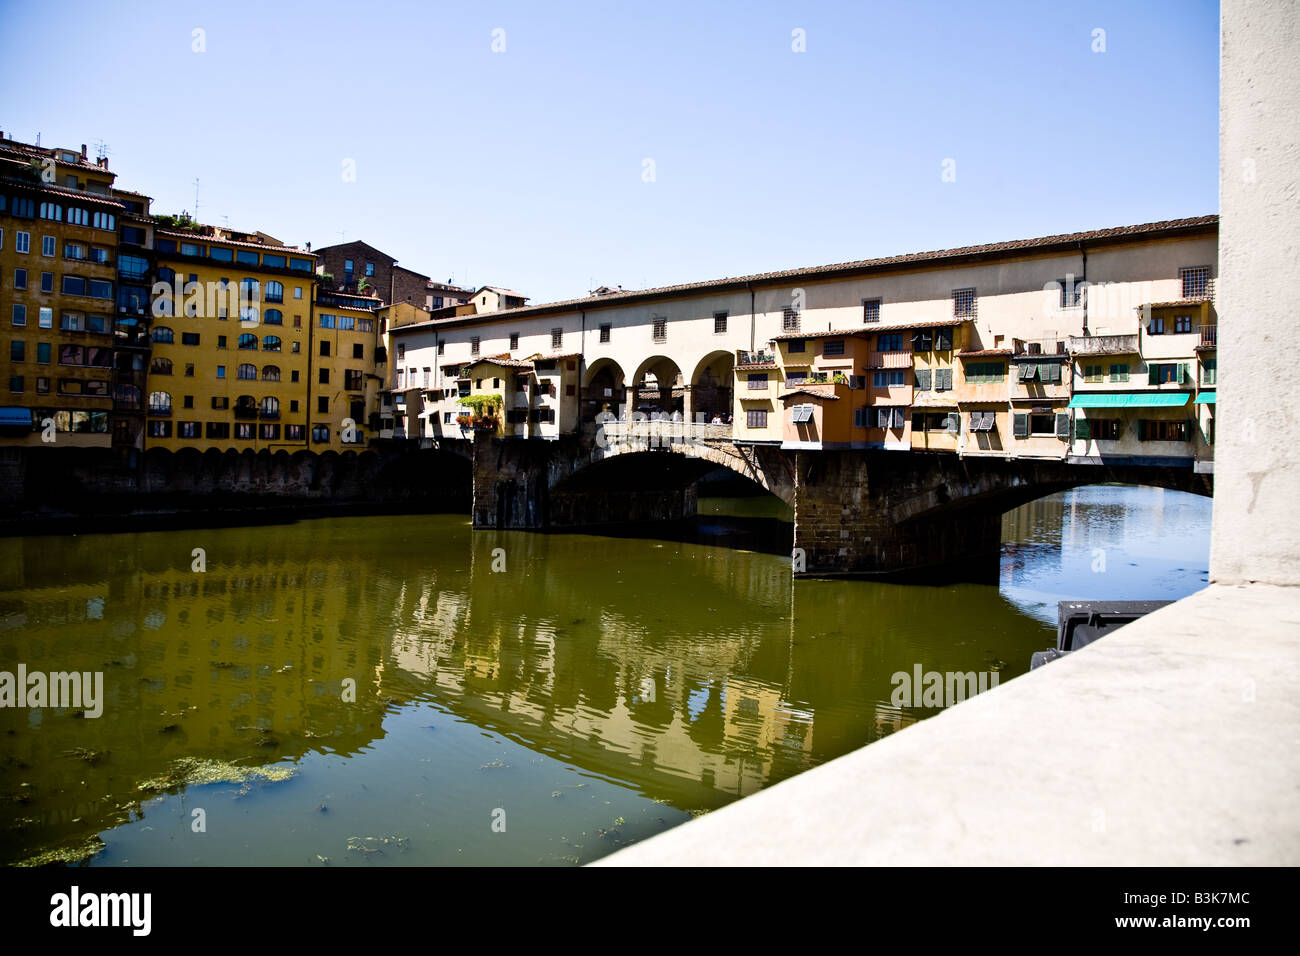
243 663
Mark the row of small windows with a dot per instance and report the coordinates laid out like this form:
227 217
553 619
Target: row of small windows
70 321
347 323
245 257
23 208
242 431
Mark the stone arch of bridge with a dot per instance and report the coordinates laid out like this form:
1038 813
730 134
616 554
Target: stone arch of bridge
657 385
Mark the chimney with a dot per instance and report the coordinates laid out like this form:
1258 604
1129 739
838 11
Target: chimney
309 247
83 150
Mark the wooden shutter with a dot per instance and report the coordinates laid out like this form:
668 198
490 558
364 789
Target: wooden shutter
1082 428
1062 424
1153 376
953 424
1021 427
1142 429
923 379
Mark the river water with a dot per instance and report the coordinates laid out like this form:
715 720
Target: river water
403 691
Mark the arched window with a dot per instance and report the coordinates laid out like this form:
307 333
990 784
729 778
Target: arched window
249 289
51 210
163 334
271 373
270 407
160 366
274 292
248 341
160 403
248 315
271 343
246 371
245 407
272 316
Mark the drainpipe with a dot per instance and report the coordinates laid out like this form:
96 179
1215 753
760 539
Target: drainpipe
1083 254
753 322
582 360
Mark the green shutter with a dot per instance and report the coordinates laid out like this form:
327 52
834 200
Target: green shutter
1184 377
1082 429
1063 425
1153 376
1142 429
923 379
953 423
1021 427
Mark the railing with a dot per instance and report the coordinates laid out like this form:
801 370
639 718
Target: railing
267 413
899 359
1052 346
758 357
245 412
160 411
1103 344
1209 336
660 430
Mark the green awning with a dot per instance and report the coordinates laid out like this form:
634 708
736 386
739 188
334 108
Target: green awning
1130 400
1205 398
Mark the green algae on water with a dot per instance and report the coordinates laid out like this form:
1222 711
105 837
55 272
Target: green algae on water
194 771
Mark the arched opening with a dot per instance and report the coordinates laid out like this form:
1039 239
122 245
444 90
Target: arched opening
658 388
711 388
603 390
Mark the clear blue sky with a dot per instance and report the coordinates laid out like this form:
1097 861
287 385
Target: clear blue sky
525 168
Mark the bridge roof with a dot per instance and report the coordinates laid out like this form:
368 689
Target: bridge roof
1063 243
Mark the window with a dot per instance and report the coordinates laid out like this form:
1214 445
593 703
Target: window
320 434
1156 326
104 220
17 350
293 375
294 432
20 279
985 373
719 323
1167 373
1071 292
160 403
984 421
271 343
921 341
891 418
16 383
297 294
160 429
887 378
274 292
189 338
221 341
370 268
758 382
270 407
870 310
943 339
161 334
1196 281
324 376
43 353
1092 373
604 332
659 330
221 254
22 240
42 385
1160 430
324 348
249 289
48 245
789 320
943 379
1119 372
1182 323
273 317
221 402
322 405
246 257
347 322
473 346
1209 371
922 381
45 317
964 303
1046 424
890 343
557 338
218 430
160 366
19 314
1099 429
756 417
187 429
221 371
50 210
246 371
353 379
326 321
833 347
246 341
273 262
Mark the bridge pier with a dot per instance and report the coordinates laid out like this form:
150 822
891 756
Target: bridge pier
851 520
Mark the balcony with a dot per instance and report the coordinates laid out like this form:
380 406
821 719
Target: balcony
160 411
245 412
1209 337
899 359
758 357
266 414
1103 344
1052 346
